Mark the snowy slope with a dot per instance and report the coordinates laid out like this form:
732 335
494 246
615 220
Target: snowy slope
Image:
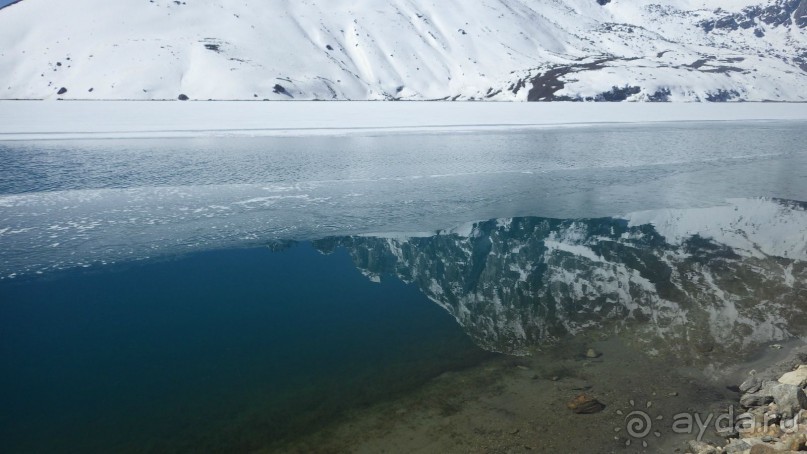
676 50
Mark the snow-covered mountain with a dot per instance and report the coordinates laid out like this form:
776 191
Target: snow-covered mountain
539 50
699 284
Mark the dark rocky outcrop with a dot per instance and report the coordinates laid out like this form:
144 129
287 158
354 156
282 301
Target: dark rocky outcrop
661 95
281 90
780 13
617 94
10 4
722 95
800 15
546 84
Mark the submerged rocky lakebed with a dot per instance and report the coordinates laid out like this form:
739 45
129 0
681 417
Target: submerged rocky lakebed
591 290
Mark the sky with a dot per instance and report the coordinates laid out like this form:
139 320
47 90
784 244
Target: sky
5 2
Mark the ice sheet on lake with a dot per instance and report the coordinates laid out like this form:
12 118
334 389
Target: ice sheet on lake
78 203
27 120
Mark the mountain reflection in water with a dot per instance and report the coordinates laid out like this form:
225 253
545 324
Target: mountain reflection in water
699 283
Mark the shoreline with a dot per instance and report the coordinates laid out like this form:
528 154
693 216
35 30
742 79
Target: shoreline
520 404
769 414
49 120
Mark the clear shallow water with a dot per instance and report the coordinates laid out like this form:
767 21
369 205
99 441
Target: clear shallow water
141 309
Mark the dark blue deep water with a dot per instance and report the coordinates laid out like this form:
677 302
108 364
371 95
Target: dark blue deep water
216 351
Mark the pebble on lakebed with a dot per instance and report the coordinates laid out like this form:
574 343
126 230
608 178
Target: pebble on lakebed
584 404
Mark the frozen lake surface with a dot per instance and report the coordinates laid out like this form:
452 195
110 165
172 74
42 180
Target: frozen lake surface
84 202
20 120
